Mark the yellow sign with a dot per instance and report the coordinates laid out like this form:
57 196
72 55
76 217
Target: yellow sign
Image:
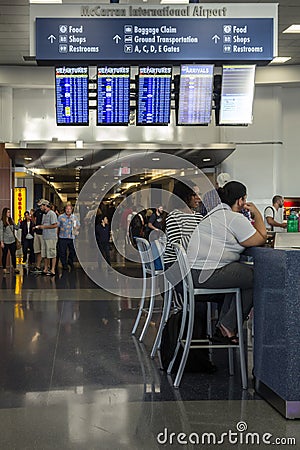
19 203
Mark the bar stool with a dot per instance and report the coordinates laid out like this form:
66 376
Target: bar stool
189 293
148 268
157 250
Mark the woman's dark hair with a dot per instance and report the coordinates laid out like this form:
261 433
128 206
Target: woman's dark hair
182 191
6 220
231 192
26 212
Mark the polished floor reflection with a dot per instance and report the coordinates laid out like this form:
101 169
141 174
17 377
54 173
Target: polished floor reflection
73 377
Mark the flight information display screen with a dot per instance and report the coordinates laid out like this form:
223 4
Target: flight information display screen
154 95
72 99
237 94
113 89
195 94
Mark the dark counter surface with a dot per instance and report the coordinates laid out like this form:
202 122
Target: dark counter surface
276 321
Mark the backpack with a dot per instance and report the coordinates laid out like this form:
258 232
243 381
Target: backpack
271 207
198 359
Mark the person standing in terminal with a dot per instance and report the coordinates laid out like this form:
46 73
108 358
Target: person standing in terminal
102 232
274 215
156 222
8 239
68 225
211 198
49 227
27 238
38 236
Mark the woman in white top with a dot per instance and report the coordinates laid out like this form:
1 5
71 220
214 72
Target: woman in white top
214 252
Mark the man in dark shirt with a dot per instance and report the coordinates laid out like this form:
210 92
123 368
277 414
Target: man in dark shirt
156 222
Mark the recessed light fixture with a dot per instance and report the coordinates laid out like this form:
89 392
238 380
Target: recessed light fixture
45 1
102 167
295 28
206 159
280 59
27 158
51 178
79 158
155 159
77 178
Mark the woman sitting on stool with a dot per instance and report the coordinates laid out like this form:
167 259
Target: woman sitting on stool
214 252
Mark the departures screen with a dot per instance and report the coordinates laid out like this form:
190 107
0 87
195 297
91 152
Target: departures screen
195 94
72 100
113 90
154 95
237 95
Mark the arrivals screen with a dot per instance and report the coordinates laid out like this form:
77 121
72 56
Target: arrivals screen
237 94
154 95
195 94
113 95
72 99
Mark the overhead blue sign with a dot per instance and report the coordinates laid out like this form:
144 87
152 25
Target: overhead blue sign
135 40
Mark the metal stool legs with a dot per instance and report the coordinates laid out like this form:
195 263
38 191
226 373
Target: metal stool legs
164 318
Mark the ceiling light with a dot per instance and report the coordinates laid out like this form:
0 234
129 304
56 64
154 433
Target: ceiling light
27 158
174 2
293 29
45 1
79 158
206 159
79 144
51 178
155 159
77 178
280 59
102 167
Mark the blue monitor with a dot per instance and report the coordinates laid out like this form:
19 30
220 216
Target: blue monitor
113 93
72 95
154 95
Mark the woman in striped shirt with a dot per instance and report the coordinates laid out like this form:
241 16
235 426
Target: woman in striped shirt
182 220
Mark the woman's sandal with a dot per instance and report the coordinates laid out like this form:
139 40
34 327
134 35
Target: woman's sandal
219 338
234 340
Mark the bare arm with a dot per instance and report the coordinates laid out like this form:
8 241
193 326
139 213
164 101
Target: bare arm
274 223
46 227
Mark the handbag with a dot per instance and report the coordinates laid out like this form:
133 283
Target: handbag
18 244
28 236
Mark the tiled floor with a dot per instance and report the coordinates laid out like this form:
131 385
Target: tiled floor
73 377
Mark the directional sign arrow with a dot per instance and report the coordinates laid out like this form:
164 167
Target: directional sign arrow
52 38
216 38
117 38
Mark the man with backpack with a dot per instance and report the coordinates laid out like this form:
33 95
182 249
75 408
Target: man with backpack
274 215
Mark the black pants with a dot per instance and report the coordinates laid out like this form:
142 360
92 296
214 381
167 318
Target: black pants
105 250
27 244
12 250
63 246
236 275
